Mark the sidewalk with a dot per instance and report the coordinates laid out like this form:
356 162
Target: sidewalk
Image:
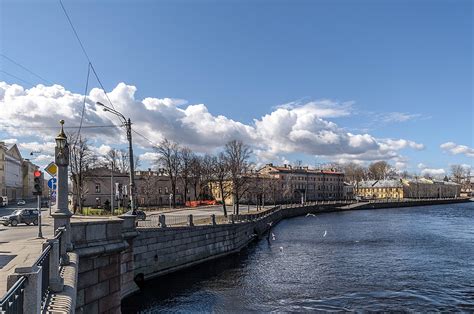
17 254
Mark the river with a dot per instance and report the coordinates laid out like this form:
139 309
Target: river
413 259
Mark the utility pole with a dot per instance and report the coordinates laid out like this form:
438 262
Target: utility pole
132 170
40 233
112 189
128 125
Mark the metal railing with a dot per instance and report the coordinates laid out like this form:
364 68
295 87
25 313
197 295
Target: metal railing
43 261
12 301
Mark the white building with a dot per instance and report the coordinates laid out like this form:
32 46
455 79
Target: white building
11 172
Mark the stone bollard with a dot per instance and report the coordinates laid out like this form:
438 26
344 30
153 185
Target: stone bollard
213 220
162 221
232 221
190 220
56 283
32 294
129 222
63 246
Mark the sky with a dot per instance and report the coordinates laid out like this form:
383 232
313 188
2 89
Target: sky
316 81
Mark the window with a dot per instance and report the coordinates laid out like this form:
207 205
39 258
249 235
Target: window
97 187
160 190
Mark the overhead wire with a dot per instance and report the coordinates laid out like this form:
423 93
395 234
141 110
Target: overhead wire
25 68
85 53
18 78
84 102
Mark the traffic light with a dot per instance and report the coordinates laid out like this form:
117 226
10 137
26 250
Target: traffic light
38 183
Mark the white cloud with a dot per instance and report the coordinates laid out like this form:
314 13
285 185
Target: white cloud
292 128
398 117
149 156
433 172
456 149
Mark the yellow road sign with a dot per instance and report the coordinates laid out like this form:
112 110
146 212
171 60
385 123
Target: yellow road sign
52 169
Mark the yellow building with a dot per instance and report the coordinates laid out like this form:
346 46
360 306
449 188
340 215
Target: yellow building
379 189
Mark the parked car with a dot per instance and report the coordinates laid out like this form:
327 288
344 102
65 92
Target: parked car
140 214
26 216
21 202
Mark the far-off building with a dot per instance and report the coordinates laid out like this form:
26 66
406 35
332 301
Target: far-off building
152 188
414 188
16 174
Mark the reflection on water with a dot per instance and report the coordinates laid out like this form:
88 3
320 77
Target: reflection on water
419 258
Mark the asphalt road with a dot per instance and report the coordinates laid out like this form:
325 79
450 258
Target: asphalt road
22 231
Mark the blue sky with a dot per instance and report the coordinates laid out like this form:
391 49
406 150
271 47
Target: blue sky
399 69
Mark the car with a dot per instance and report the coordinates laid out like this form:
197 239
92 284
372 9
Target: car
140 214
26 216
21 202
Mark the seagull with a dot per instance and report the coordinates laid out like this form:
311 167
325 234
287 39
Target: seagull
273 237
281 248
325 232
310 215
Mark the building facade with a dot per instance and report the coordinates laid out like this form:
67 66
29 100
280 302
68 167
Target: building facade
307 184
152 188
16 174
419 188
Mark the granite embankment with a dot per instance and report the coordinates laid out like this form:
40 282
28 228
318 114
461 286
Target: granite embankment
115 256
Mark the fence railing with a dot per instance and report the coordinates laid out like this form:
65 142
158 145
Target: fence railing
43 262
161 221
48 262
12 301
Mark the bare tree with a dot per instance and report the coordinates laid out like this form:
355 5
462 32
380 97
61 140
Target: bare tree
354 173
169 159
81 159
458 173
237 155
379 170
221 177
207 173
187 157
119 161
196 175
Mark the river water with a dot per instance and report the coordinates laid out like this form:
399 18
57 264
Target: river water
414 259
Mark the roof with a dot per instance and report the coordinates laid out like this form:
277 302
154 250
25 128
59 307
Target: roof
380 184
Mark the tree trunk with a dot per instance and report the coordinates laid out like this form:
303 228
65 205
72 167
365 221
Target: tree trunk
221 187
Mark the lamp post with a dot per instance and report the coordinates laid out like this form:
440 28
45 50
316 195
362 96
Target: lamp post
61 214
128 125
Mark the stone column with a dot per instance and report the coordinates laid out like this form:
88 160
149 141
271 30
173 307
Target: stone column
32 293
162 221
56 283
213 219
62 215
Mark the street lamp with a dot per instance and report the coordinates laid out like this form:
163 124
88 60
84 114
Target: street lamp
128 125
62 214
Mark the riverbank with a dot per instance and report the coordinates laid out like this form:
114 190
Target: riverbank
160 251
413 259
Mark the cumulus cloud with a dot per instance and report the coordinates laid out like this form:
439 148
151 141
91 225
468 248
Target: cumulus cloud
432 172
456 149
292 128
148 156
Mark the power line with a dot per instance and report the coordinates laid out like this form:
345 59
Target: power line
14 76
144 137
74 30
25 68
84 102
85 53
72 127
